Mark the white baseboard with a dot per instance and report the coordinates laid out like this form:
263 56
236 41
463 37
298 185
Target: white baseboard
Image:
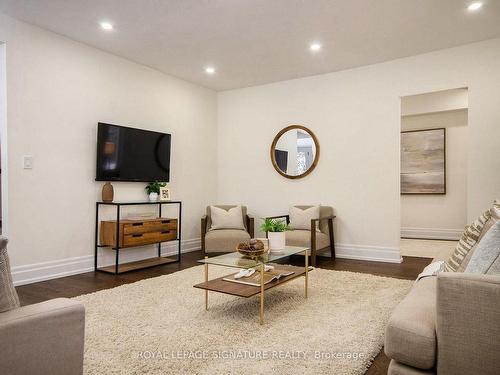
33 273
432 233
368 253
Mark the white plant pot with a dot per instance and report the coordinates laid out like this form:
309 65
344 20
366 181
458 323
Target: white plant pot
153 197
276 240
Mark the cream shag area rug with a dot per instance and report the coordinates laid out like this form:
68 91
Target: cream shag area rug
160 326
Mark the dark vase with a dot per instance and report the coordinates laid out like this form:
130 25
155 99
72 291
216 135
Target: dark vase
107 192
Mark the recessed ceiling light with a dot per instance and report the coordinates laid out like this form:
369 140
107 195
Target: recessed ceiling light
210 70
475 6
315 47
106 26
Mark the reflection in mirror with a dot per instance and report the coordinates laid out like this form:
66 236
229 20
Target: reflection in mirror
294 151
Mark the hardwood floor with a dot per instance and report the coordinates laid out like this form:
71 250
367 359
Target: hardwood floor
89 282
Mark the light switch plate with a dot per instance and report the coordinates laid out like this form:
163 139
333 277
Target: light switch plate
28 162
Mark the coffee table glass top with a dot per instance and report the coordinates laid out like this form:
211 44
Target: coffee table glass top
237 260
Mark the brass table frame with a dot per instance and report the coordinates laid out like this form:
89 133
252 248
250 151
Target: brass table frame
262 285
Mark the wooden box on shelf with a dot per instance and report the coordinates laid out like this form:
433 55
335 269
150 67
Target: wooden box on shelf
138 232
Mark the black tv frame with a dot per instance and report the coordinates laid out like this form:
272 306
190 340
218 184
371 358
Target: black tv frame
115 179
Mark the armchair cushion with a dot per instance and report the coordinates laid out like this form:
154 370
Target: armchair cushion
8 295
324 212
226 208
303 238
231 218
224 240
301 216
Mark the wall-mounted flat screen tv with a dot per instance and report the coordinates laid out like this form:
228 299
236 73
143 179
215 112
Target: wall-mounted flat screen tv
129 154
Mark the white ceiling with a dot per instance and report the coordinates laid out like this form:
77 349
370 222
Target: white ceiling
252 42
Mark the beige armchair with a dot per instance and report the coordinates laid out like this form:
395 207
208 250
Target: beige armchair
224 240
314 240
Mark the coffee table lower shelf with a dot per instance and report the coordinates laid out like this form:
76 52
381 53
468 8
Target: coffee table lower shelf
246 291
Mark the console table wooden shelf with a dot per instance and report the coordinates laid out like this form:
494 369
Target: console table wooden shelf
126 233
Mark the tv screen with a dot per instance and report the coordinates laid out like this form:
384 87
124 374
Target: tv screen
128 154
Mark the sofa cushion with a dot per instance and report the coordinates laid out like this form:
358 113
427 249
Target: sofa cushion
493 219
410 336
396 368
8 295
226 218
486 257
224 240
303 238
470 237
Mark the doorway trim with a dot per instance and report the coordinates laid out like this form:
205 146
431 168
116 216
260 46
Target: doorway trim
3 138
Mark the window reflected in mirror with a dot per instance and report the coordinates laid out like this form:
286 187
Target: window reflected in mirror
294 151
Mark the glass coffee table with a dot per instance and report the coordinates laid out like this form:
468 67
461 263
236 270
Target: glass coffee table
236 260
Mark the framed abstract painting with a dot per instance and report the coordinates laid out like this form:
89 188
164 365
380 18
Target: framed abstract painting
423 161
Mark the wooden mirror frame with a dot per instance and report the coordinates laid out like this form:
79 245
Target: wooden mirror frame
275 141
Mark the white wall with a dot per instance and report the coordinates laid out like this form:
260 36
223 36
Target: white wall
3 138
440 216
57 91
356 117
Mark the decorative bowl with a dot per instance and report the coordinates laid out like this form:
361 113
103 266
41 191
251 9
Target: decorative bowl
248 249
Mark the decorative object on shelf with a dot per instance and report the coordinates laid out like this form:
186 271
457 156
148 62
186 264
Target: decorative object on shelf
107 192
275 230
252 248
153 190
295 151
164 194
423 161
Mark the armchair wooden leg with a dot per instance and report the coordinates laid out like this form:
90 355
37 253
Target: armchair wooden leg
332 238
313 243
203 233
332 250
203 252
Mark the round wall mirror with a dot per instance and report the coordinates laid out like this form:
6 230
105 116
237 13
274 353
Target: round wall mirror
295 151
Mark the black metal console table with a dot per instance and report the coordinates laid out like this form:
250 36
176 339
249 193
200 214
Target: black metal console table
151 262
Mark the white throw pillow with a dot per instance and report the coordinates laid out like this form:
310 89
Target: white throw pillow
301 219
230 219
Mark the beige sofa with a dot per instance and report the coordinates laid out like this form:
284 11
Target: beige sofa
44 338
449 324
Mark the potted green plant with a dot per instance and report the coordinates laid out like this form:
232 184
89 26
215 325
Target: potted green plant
275 230
153 189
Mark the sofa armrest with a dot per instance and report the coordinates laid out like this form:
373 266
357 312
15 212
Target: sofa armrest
44 338
468 323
